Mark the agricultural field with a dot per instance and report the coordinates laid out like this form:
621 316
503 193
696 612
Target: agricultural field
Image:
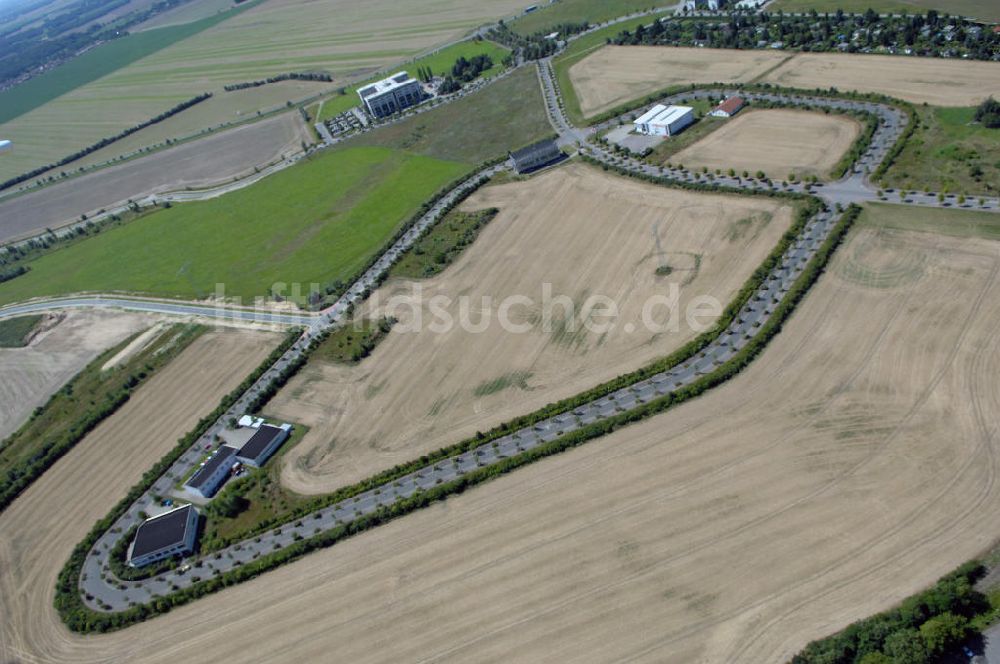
613 75
935 81
212 160
316 222
440 63
58 510
269 38
58 350
512 109
949 153
442 386
17 332
185 13
985 10
575 11
855 465
776 141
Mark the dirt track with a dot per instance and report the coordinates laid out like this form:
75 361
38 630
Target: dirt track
615 74
441 387
857 461
40 528
33 373
207 161
776 141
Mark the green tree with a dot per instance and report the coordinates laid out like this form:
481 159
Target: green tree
905 646
943 631
875 658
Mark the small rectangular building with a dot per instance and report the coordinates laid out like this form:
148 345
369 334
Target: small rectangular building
729 107
206 480
262 444
664 120
391 95
537 155
164 536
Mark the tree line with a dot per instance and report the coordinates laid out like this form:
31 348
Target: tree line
932 34
465 71
104 142
536 45
988 114
291 76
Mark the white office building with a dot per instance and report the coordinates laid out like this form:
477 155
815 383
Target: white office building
391 95
664 120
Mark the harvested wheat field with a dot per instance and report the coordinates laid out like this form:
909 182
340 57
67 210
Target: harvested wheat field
939 82
442 386
775 141
64 345
850 465
212 160
41 527
616 74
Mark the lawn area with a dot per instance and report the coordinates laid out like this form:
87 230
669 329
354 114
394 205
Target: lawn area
506 115
439 62
100 62
956 223
578 50
256 500
987 10
439 248
317 222
86 400
14 331
949 153
575 11
349 344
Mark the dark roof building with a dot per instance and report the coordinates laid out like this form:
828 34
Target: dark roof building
262 444
163 536
536 156
206 480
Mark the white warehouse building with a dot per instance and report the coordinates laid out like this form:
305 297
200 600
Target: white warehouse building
391 95
664 120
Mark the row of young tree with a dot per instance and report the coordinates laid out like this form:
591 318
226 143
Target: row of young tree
291 76
536 45
932 34
104 142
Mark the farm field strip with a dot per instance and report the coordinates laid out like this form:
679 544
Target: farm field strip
207 161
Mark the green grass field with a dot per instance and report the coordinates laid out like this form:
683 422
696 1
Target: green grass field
442 245
317 222
956 223
574 11
14 331
100 62
949 153
439 62
987 10
503 116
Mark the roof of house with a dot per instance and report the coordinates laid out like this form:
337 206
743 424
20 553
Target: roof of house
670 114
731 105
397 80
546 149
161 531
650 114
258 442
222 456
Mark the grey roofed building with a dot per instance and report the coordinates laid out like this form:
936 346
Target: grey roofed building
536 156
207 479
262 444
391 95
163 536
